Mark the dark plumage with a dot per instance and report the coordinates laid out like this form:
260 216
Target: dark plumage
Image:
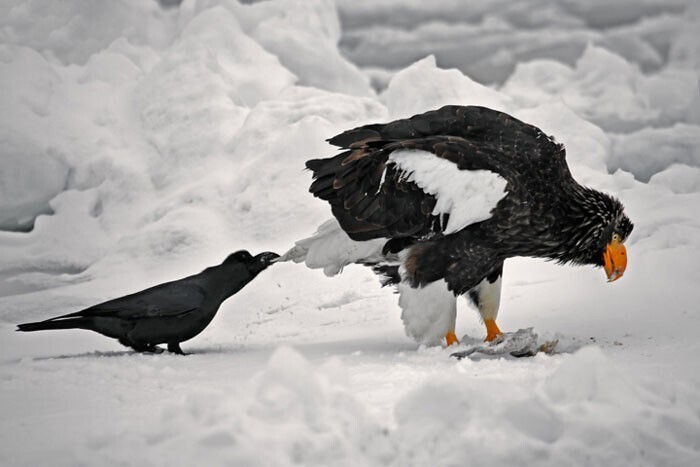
168 313
543 213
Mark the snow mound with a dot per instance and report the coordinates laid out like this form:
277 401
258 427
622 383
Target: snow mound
307 45
678 178
211 73
431 87
54 30
294 412
609 91
157 135
585 408
289 414
31 177
652 150
587 145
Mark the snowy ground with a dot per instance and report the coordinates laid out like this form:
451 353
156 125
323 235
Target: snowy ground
140 145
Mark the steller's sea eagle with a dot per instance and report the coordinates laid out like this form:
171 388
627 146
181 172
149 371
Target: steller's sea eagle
437 202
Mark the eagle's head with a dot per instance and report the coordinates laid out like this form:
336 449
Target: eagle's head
613 251
602 231
595 232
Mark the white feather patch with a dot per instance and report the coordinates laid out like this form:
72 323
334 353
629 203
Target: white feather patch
428 312
468 196
489 298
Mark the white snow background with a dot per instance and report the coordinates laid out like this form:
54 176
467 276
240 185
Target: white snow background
144 144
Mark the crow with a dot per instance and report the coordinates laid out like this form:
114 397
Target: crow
167 313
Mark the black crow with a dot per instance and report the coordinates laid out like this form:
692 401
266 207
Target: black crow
168 313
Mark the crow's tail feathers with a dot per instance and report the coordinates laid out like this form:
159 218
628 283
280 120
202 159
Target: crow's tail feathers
68 323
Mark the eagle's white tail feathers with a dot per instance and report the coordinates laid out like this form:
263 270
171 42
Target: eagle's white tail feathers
427 312
331 249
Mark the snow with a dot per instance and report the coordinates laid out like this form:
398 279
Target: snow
487 41
678 144
145 144
609 91
431 87
28 184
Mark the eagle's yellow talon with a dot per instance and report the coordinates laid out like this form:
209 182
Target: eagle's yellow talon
451 338
492 330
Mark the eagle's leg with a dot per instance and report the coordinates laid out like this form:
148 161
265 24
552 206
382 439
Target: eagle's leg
451 338
429 312
487 298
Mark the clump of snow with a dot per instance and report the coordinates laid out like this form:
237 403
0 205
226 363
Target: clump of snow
31 177
679 178
610 91
587 145
424 86
652 150
53 31
202 80
306 43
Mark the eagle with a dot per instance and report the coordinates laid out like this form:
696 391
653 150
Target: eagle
437 202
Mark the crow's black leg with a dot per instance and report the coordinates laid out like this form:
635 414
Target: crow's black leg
174 347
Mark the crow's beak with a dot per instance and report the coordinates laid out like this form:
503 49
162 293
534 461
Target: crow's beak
267 257
615 260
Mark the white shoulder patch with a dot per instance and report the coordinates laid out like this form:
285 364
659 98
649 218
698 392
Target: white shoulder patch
468 196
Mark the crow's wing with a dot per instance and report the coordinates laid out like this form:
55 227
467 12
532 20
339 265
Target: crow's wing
165 300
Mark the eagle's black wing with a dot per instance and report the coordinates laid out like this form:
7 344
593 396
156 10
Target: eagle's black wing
371 197
470 122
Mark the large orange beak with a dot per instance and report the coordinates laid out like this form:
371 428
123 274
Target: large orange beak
615 258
